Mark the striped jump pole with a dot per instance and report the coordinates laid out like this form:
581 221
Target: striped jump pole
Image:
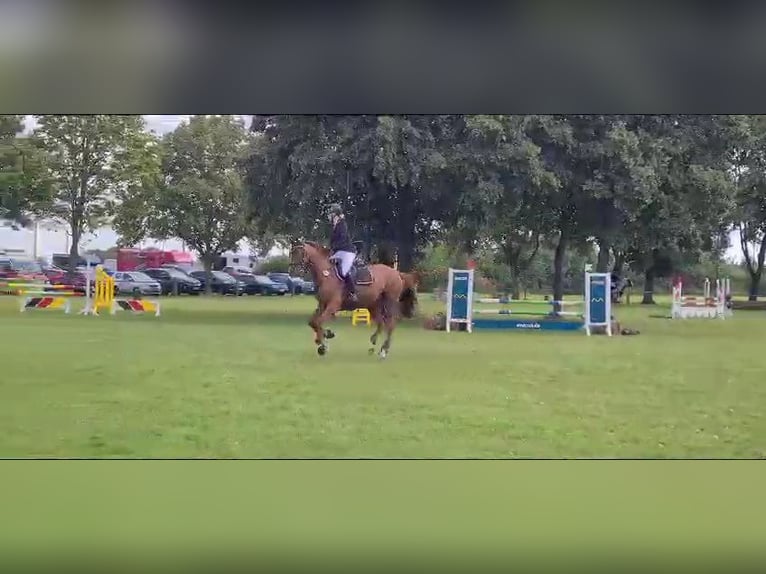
36 295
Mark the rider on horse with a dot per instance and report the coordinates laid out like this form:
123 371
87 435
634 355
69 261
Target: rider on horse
342 248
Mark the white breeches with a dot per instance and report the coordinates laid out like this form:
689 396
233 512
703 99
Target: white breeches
346 259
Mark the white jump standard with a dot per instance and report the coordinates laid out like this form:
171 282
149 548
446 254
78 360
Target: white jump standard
705 307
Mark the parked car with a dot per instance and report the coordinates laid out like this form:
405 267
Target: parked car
78 281
237 270
250 285
221 282
309 288
169 278
294 284
260 284
182 267
54 274
20 269
136 283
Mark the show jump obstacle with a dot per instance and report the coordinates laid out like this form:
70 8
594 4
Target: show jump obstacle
37 295
102 297
597 311
705 307
98 294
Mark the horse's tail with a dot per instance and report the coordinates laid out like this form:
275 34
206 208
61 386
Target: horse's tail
408 300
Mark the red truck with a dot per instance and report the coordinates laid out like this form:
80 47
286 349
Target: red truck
137 259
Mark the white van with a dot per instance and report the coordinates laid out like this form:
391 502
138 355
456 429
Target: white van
242 261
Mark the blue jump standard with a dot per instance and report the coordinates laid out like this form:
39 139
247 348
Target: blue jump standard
527 325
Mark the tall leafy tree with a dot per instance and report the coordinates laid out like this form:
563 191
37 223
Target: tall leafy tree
693 197
200 197
564 143
382 168
748 169
24 187
86 158
501 200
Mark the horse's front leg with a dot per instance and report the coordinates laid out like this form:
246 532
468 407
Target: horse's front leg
317 322
328 333
319 333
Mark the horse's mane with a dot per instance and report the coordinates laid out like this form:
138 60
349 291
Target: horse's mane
319 247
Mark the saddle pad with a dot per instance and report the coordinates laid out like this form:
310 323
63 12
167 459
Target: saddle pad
363 275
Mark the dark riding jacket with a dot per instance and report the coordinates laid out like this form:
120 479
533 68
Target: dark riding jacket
340 239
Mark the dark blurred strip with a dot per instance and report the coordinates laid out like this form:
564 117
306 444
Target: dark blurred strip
541 57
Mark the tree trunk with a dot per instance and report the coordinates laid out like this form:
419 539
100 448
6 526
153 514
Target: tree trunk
406 256
74 249
406 239
755 283
648 287
385 254
755 268
207 262
604 249
558 267
619 262
518 264
515 283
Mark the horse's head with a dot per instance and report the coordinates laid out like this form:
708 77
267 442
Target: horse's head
298 258
309 255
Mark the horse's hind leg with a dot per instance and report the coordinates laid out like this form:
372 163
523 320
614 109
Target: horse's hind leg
388 312
378 320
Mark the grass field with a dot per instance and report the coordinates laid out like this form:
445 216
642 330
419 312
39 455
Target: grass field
241 378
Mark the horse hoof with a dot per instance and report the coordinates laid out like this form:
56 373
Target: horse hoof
329 334
371 351
383 354
322 350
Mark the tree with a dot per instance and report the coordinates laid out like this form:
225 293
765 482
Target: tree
693 198
200 197
87 157
383 169
24 188
749 172
564 142
504 183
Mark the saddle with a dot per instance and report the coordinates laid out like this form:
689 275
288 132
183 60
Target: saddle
360 272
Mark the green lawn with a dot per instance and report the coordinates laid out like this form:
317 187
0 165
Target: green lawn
241 378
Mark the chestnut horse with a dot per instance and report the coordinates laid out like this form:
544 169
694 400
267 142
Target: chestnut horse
380 289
